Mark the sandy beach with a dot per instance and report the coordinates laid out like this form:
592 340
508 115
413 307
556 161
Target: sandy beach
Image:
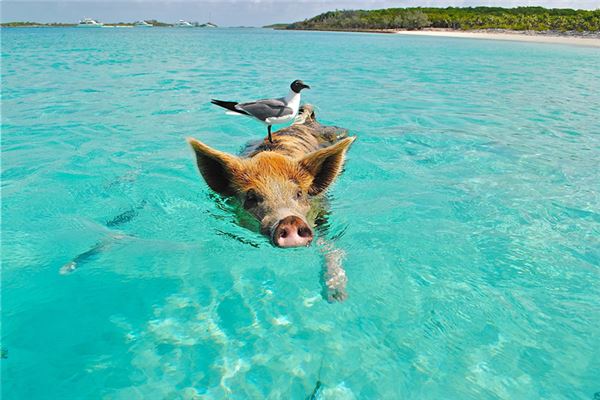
511 36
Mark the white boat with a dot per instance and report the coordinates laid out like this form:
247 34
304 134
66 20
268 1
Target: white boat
89 23
142 24
183 24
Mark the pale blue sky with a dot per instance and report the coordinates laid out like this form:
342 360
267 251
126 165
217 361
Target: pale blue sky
229 12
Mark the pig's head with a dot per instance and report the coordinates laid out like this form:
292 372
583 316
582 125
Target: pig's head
275 189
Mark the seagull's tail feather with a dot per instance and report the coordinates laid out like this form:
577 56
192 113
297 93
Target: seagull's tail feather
229 105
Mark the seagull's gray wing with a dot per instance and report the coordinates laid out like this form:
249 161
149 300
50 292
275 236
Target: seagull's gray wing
263 109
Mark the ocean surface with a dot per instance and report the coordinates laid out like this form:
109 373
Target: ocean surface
469 213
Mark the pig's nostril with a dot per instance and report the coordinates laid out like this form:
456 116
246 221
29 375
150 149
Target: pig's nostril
283 233
304 232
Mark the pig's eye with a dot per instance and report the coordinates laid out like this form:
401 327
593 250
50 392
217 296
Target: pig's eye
252 199
299 194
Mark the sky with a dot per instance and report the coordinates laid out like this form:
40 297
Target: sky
229 12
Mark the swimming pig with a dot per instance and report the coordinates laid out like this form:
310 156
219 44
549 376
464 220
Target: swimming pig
279 183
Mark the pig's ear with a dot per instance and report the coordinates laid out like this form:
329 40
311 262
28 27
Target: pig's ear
325 164
217 168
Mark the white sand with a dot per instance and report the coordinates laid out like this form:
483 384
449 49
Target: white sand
518 37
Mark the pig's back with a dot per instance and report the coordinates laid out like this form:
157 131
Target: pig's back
304 136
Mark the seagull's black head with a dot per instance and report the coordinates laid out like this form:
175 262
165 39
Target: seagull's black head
298 85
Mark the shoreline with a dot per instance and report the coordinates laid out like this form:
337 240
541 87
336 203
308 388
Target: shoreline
589 39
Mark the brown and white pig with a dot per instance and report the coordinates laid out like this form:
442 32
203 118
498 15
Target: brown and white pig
280 184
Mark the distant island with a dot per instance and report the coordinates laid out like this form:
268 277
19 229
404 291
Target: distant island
277 26
28 24
536 19
148 23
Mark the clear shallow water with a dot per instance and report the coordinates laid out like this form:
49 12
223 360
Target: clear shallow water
469 212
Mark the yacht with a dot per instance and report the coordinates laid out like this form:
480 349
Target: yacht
89 23
183 24
142 24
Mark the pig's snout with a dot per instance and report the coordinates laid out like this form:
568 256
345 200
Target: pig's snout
292 231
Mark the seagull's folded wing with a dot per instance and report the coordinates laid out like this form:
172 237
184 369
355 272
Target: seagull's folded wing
263 109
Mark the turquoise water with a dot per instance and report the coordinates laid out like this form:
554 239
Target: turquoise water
469 213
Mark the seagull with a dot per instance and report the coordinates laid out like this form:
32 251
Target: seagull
268 111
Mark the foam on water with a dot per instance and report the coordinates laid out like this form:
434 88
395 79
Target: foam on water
468 213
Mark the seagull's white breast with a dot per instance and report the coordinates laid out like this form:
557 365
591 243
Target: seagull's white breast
292 101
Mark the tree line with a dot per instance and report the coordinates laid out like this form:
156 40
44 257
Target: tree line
519 18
